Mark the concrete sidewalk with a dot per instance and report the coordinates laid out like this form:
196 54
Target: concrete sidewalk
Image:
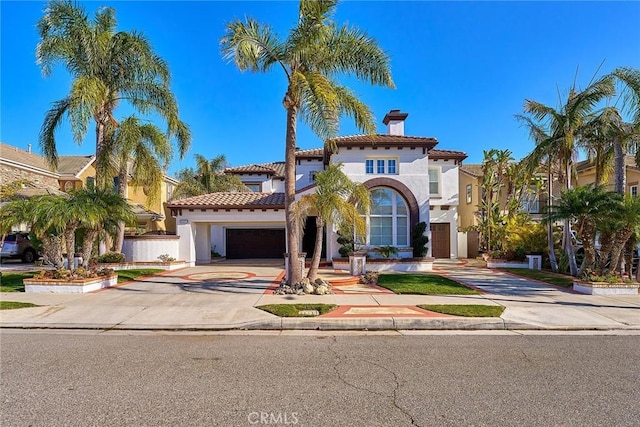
223 296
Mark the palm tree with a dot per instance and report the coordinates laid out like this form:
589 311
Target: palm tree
555 131
337 200
104 210
313 55
139 151
107 68
586 206
207 177
627 218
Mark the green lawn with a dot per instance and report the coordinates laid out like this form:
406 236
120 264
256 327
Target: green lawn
293 310
10 305
543 276
12 282
472 310
126 275
423 284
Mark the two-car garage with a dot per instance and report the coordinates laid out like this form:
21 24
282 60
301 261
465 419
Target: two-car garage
243 243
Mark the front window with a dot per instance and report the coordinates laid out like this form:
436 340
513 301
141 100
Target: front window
381 166
434 181
91 182
369 166
388 219
633 190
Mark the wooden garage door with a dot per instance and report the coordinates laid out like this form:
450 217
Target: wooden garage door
440 240
255 243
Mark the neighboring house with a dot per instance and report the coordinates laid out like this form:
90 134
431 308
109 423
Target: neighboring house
75 172
587 175
410 182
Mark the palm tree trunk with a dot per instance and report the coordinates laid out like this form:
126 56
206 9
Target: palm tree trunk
295 273
87 245
620 240
101 179
619 169
317 250
70 242
122 191
573 267
552 253
588 240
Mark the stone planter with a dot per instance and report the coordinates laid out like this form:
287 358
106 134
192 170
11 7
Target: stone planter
603 288
63 286
502 263
389 264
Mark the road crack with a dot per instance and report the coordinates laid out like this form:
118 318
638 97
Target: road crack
393 396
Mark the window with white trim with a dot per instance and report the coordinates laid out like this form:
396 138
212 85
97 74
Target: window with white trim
633 190
388 220
434 181
469 193
381 166
253 187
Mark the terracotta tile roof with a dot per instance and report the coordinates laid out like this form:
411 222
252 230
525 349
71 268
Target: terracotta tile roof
17 155
231 200
311 153
472 169
447 154
141 211
385 139
28 192
72 165
274 168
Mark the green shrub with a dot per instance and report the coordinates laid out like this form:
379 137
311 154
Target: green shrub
387 251
419 240
111 257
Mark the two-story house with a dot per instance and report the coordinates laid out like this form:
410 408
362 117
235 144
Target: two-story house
409 179
75 172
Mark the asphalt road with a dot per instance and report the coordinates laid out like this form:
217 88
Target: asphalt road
115 379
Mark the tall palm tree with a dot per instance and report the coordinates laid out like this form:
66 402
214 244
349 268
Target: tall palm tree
207 177
138 153
586 206
337 200
626 133
561 126
315 53
108 68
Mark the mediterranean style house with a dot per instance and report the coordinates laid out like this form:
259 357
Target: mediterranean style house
410 181
75 172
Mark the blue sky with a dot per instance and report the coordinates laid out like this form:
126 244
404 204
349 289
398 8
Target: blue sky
462 69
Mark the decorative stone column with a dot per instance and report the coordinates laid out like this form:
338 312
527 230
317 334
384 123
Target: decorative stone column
301 260
357 263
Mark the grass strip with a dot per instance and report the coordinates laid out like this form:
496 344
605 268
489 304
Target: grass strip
543 276
293 310
471 310
12 282
126 275
423 284
10 305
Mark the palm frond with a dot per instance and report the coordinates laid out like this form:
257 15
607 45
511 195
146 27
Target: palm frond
251 46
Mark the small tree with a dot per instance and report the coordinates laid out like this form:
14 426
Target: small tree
336 200
419 240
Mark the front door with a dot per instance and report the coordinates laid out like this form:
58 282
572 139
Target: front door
440 240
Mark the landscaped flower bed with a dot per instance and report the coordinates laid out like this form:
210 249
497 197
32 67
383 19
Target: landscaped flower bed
389 264
46 283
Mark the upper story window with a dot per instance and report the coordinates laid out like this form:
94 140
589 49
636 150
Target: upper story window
91 182
169 191
469 193
633 190
256 188
312 176
434 181
381 166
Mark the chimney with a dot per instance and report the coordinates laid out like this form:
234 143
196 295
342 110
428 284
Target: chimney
28 148
394 120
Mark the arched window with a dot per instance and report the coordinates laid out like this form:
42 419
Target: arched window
388 220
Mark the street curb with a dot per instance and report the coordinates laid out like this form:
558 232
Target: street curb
361 324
